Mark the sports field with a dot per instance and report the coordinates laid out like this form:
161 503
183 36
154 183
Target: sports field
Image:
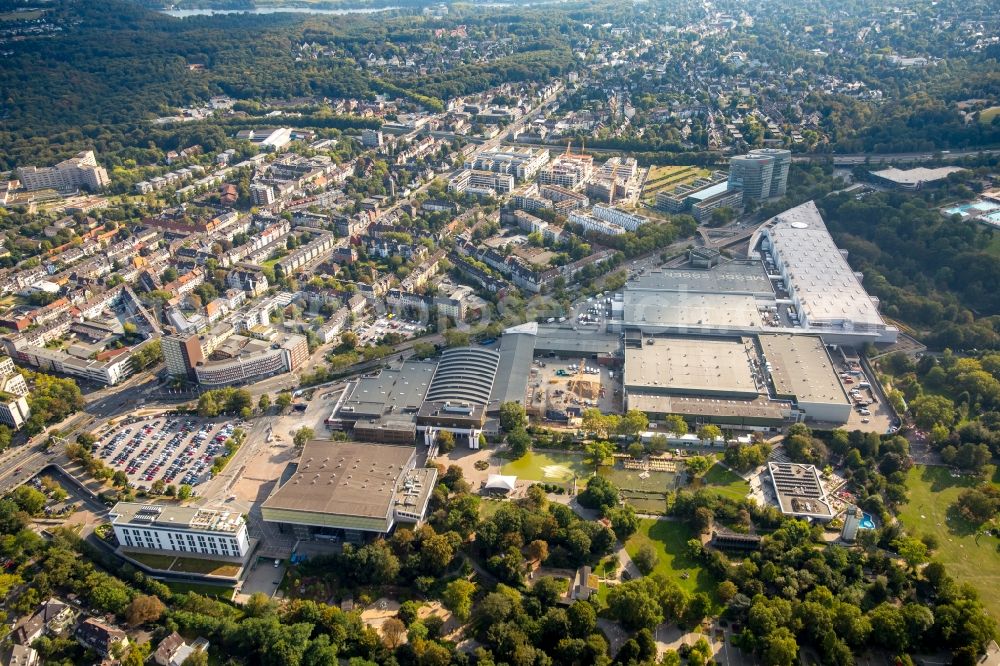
969 557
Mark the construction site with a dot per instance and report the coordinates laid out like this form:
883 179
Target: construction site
560 389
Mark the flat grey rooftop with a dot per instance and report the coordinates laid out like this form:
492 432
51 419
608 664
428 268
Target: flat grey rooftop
698 311
344 478
396 389
801 367
692 366
511 383
822 283
754 408
731 277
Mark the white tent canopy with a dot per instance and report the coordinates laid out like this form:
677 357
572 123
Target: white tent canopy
501 482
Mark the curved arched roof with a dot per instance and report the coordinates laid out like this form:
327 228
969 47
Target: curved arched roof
465 373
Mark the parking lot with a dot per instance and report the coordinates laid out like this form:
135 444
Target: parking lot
869 413
174 449
389 323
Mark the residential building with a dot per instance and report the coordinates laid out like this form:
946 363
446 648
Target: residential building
371 138
262 194
567 170
180 529
251 281
23 655
591 223
181 353
487 183
246 359
629 221
100 637
72 174
522 163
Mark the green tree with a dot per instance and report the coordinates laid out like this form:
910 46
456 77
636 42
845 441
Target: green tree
284 400
709 432
446 441
780 648
635 604
29 500
912 550
519 441
512 415
457 597
632 423
198 658
646 558
624 521
600 494
303 435
598 452
264 403
184 492
932 410
698 465
603 425
675 424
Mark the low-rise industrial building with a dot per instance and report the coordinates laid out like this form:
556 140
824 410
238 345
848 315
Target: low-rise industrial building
349 490
765 380
912 179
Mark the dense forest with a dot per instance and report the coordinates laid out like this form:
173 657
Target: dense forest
127 65
931 272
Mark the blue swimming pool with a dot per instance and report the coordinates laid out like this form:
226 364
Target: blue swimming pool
867 523
972 209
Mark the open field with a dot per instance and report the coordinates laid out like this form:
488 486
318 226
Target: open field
986 116
969 558
726 483
670 539
545 466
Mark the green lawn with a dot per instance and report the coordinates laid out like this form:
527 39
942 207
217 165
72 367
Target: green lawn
488 507
670 539
994 247
547 467
969 558
178 587
150 560
197 565
728 484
